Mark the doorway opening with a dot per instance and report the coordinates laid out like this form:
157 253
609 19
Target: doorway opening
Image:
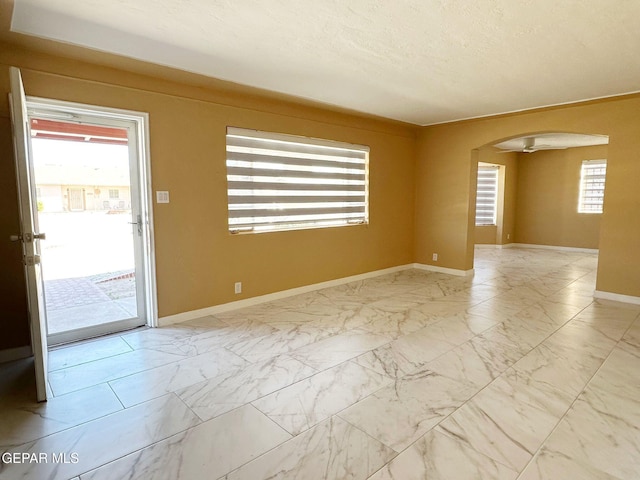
538 191
91 180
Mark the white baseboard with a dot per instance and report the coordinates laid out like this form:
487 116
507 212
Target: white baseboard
552 247
12 354
449 271
489 245
248 302
616 297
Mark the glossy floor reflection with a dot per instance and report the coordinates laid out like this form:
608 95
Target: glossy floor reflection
514 373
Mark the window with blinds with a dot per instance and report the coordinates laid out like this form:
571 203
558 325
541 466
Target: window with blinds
285 182
487 195
592 179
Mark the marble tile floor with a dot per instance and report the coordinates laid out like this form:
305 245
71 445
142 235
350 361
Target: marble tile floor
514 373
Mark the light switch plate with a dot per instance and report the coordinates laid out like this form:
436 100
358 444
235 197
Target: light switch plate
162 196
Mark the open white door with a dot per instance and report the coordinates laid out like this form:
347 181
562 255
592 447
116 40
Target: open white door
29 235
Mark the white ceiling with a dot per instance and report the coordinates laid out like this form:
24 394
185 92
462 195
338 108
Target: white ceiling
420 61
551 141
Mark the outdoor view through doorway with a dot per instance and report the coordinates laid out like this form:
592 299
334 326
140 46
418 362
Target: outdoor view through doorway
84 203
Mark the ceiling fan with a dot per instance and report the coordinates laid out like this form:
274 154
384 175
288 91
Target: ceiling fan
529 145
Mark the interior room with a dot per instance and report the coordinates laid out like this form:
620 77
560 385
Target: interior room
359 240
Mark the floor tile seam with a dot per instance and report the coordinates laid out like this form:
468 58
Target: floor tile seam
293 352
579 462
116 395
438 357
90 361
547 337
391 379
475 335
85 423
7 448
620 341
569 408
352 425
137 372
384 385
443 431
269 352
317 372
250 402
574 319
455 409
552 347
291 437
472 398
137 450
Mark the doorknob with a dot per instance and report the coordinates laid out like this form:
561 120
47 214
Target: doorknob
30 237
15 238
138 223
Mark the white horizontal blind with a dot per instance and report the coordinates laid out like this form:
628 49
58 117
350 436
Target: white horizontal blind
592 179
284 182
487 195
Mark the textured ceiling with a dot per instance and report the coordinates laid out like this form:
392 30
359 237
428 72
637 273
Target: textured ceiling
419 61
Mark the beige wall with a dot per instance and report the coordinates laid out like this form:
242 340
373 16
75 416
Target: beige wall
422 191
198 261
548 190
445 183
486 235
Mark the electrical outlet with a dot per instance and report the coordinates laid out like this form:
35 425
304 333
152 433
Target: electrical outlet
238 287
508 236
435 257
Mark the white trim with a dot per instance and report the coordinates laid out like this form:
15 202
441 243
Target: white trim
151 299
553 247
11 354
489 245
269 297
86 333
448 271
616 297
73 110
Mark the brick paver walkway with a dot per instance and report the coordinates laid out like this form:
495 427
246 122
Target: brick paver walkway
72 292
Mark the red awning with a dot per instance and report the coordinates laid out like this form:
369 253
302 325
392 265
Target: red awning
75 132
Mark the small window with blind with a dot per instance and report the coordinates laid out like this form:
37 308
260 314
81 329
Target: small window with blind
487 195
285 182
592 179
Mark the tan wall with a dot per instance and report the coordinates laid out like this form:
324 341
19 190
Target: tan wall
198 261
486 235
445 183
548 190
503 232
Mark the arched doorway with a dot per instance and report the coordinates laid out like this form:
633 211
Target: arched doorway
539 190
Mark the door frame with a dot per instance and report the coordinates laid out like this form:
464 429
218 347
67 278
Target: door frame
63 110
